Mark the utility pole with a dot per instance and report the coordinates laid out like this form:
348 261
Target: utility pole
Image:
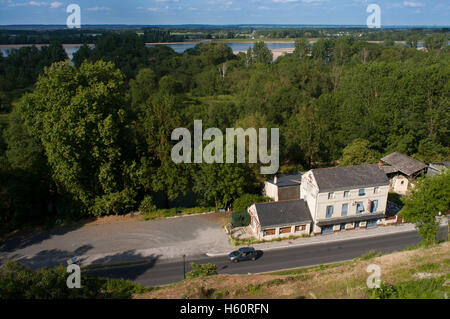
184 266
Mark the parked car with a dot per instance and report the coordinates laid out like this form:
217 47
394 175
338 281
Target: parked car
244 253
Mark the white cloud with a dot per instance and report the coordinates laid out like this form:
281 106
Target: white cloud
55 4
412 4
98 9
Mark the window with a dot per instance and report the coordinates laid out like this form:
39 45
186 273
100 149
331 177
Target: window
356 225
344 210
375 190
362 192
359 208
346 193
374 206
269 232
342 227
285 230
300 228
330 195
329 211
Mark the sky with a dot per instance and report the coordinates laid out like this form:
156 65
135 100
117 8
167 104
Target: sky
153 12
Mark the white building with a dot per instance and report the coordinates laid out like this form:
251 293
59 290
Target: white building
343 198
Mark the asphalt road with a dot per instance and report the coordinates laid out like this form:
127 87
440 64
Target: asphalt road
165 272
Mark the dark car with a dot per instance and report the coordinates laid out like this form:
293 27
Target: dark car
244 253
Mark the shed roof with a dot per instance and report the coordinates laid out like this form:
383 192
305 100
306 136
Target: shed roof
287 180
283 213
404 163
341 178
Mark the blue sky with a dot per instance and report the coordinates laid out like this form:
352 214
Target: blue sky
393 12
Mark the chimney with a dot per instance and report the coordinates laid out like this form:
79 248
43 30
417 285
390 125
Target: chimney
380 165
275 179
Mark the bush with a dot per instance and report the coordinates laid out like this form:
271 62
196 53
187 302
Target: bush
431 288
240 218
247 200
19 282
201 270
147 206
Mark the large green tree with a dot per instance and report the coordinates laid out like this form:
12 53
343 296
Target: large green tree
428 198
80 118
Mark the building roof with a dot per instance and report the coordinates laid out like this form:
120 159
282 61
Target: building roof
403 163
342 178
283 213
436 168
287 180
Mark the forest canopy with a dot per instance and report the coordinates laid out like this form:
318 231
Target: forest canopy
91 137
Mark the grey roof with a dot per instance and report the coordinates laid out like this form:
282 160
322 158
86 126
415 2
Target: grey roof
403 163
283 213
288 180
342 178
349 219
436 168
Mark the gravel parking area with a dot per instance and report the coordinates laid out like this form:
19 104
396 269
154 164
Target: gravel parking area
121 241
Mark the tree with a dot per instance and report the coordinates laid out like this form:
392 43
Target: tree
302 49
79 115
220 183
428 198
261 54
435 41
359 152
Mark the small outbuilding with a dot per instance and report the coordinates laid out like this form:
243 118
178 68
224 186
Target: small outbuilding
283 187
402 170
437 168
280 219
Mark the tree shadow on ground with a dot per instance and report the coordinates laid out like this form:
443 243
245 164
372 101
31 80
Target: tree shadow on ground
139 264
24 240
50 258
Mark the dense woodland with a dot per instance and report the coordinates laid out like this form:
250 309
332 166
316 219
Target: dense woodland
92 137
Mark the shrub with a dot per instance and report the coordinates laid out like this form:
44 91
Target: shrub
201 270
19 282
147 206
431 288
240 218
247 200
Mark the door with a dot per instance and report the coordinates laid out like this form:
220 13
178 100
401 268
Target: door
327 229
372 223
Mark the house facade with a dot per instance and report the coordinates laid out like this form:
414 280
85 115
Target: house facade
344 198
